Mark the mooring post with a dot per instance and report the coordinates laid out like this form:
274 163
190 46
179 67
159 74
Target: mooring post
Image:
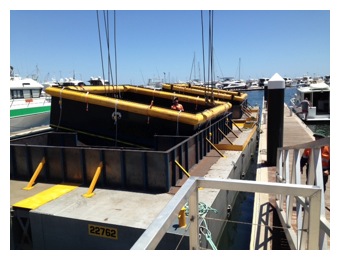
276 91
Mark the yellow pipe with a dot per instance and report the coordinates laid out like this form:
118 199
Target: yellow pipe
35 175
236 125
180 166
231 130
90 192
143 109
134 89
215 147
195 90
246 112
198 90
181 218
186 173
98 89
225 136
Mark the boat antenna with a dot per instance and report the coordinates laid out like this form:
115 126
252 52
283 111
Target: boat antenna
239 69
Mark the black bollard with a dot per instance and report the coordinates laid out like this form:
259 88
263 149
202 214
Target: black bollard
275 105
265 93
265 96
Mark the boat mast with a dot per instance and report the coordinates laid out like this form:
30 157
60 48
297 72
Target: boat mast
239 69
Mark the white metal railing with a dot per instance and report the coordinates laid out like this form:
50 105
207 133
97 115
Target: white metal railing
289 173
189 192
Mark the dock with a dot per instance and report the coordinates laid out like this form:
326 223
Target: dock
133 214
295 132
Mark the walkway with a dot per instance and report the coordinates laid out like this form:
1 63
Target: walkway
295 132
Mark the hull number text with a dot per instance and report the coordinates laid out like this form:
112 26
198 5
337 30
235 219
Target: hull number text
101 231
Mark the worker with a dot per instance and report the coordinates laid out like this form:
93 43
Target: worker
176 105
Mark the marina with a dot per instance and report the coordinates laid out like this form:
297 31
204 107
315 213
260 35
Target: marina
173 164
88 207
175 155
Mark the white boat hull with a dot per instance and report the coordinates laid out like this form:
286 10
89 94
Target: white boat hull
29 121
25 115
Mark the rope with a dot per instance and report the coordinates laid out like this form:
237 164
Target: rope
203 209
206 232
116 121
87 103
177 128
60 107
150 106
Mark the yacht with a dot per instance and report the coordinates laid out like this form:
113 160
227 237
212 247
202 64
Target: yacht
318 94
288 81
30 106
155 84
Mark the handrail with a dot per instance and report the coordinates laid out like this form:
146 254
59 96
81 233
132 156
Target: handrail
285 174
189 192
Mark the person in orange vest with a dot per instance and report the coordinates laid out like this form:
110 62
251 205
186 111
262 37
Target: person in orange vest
176 105
325 155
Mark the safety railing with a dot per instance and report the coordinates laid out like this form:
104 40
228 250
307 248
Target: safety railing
288 172
189 193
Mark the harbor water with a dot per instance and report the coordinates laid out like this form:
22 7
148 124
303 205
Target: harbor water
236 235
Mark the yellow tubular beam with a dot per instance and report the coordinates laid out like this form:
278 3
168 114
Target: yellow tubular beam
199 90
180 166
246 112
90 192
231 130
144 109
35 175
248 109
225 136
215 147
236 125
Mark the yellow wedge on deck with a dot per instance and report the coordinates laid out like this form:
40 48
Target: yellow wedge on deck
44 197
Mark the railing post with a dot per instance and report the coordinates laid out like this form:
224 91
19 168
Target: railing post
314 221
194 243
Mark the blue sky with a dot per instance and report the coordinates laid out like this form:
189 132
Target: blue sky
162 44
